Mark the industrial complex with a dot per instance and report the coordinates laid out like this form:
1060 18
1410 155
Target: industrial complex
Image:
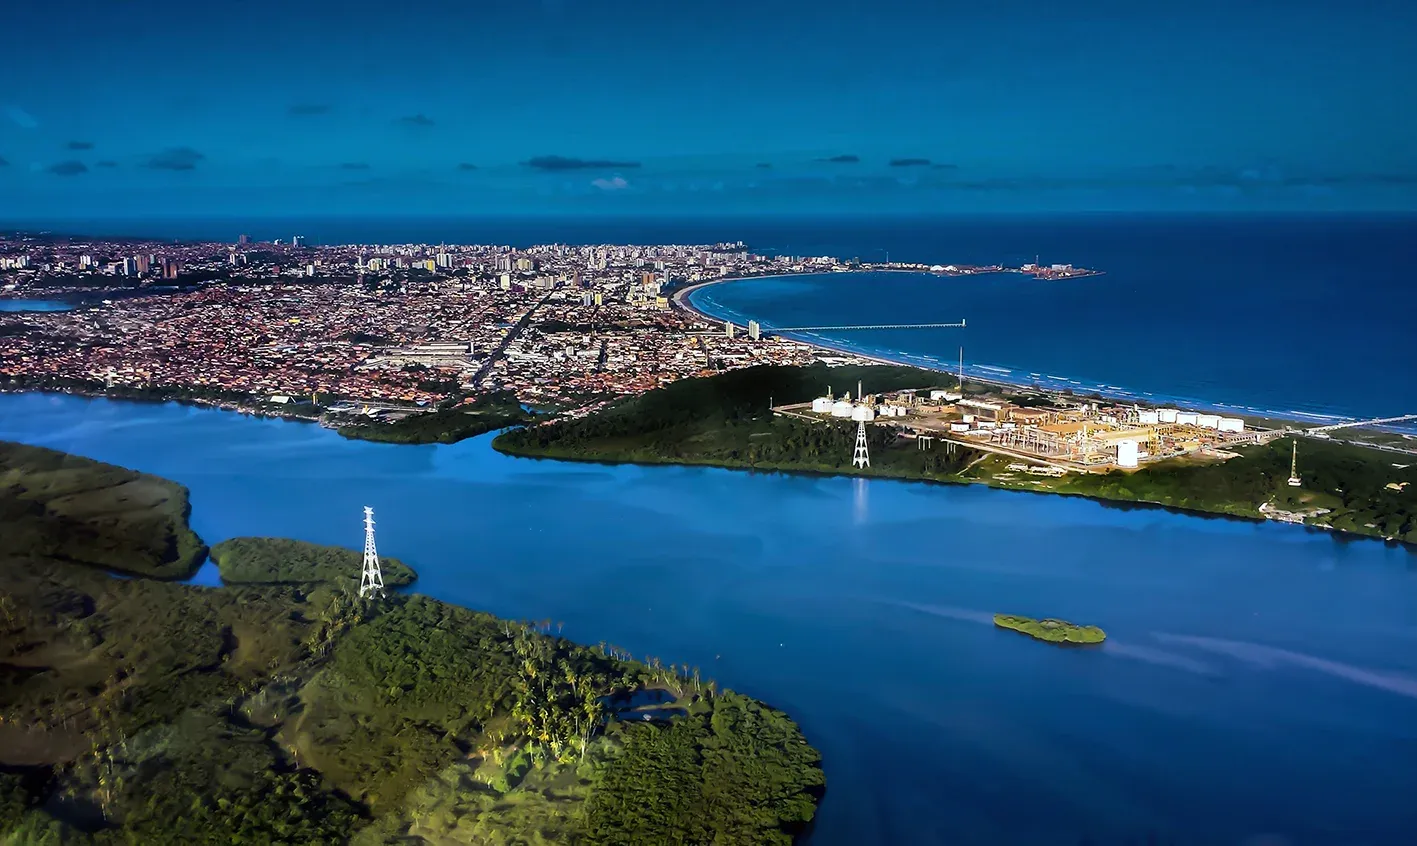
1055 432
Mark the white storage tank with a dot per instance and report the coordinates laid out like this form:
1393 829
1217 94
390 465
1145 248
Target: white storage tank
1127 453
863 413
1149 417
1167 415
1187 418
1232 424
841 408
822 405
1208 421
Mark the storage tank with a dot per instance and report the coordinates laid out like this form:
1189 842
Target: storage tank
841 408
863 413
1208 421
822 405
1232 424
1167 415
1149 417
1186 418
1127 453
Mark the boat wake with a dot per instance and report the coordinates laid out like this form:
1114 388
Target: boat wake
1270 657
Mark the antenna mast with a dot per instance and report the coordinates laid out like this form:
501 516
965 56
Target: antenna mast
372 580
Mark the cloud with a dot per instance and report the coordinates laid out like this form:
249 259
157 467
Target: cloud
105 163
419 119
616 183
354 166
22 118
568 163
308 109
466 166
176 158
79 145
910 162
72 167
843 159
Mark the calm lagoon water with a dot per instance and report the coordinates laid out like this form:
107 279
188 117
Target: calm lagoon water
1258 681
33 305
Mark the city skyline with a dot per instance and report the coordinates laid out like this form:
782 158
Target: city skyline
627 108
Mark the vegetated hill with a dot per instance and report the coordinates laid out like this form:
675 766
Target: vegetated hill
726 420
70 508
1364 490
447 425
286 561
141 711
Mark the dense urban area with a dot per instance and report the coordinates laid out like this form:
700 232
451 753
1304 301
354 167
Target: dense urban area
411 342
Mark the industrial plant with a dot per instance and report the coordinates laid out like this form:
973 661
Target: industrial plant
1058 432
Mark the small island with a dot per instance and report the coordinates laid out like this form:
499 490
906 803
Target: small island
1053 631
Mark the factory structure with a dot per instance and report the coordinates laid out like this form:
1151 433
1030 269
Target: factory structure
1060 431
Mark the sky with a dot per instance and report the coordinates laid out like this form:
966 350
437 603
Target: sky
159 107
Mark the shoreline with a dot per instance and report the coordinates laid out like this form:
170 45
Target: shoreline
1106 502
682 299
1257 519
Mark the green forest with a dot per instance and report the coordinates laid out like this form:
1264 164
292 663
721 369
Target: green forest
285 561
725 421
445 425
284 709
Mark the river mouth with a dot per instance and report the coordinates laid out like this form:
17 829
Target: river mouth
1267 667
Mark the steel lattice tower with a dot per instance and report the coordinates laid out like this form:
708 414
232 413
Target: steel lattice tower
861 458
372 581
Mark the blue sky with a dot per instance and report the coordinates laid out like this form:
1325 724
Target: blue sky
604 106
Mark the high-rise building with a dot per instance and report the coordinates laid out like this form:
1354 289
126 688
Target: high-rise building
144 263
243 240
170 268
130 267
298 241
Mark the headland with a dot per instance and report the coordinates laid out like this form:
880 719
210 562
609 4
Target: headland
286 707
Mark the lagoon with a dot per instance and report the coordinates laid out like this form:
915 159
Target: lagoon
1257 679
33 305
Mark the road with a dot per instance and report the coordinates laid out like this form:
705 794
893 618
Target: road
486 369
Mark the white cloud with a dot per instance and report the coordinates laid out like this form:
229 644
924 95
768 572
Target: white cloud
22 118
616 183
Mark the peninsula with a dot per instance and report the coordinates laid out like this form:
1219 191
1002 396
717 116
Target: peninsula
737 419
282 708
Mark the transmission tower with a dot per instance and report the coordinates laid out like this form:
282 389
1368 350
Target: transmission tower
861 458
372 581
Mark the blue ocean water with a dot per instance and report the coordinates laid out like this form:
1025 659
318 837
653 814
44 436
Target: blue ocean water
1298 316
1258 684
